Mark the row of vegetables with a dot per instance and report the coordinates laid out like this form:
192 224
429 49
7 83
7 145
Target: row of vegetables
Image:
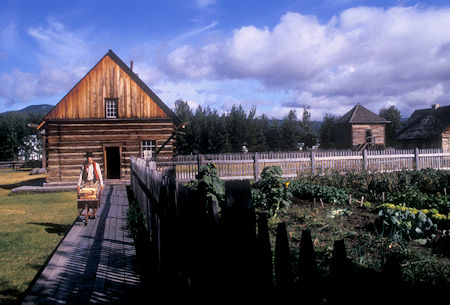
408 214
415 203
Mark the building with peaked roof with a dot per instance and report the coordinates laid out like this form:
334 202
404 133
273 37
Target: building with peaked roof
113 114
426 128
360 128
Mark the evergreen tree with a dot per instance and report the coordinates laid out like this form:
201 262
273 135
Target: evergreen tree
14 133
237 128
307 136
328 132
273 136
290 132
391 114
184 139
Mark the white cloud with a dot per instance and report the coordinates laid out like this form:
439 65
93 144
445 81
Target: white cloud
63 58
367 55
205 3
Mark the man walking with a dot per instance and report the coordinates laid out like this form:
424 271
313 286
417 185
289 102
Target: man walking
90 174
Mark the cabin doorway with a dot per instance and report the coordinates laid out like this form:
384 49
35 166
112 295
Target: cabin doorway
112 162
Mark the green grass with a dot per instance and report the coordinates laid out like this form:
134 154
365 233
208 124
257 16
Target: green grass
31 226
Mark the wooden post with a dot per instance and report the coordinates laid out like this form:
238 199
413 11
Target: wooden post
307 270
256 166
265 275
44 154
350 199
283 271
313 162
416 158
199 162
365 163
445 191
383 197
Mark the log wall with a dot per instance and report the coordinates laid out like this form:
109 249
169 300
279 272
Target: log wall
68 141
359 133
446 139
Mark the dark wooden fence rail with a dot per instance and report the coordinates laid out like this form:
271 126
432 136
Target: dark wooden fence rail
191 249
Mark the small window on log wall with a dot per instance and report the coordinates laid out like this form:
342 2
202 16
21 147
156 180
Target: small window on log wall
111 108
148 149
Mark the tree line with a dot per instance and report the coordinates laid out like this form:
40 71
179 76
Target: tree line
17 140
207 131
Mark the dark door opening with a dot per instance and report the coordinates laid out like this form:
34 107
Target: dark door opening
112 162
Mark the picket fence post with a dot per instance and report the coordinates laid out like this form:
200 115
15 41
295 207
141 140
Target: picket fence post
365 163
313 162
416 158
199 162
256 166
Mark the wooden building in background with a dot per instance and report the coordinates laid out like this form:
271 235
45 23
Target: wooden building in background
360 128
111 113
426 128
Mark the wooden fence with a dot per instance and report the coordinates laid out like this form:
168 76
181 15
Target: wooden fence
192 248
250 165
11 164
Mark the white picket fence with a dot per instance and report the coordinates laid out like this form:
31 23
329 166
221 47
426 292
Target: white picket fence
240 166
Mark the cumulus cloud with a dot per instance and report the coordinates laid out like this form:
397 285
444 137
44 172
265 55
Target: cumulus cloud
367 55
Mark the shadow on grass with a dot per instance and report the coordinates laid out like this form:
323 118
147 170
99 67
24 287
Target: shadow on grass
31 182
8 293
54 228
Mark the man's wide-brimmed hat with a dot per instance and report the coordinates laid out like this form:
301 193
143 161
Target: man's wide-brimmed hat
89 154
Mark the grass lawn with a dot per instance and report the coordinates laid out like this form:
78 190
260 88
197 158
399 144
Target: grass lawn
31 226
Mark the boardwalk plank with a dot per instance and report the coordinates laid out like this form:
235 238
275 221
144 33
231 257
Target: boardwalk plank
93 264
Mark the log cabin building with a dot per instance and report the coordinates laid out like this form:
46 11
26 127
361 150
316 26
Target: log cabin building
426 128
111 113
360 128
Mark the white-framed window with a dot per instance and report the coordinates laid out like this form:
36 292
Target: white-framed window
148 149
111 108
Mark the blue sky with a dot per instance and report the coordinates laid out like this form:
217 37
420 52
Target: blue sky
274 55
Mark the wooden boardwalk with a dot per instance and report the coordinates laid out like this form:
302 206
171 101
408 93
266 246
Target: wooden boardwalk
94 263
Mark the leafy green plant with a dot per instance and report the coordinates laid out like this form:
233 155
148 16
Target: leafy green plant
419 200
135 219
400 222
271 194
209 189
328 194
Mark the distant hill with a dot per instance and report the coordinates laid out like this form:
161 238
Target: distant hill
34 109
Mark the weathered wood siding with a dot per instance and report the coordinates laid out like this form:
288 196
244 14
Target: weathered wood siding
446 139
106 80
68 141
359 133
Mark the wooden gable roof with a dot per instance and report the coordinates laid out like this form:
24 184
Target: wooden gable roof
361 115
110 78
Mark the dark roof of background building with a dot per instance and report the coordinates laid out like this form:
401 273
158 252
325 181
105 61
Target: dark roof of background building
361 115
425 124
